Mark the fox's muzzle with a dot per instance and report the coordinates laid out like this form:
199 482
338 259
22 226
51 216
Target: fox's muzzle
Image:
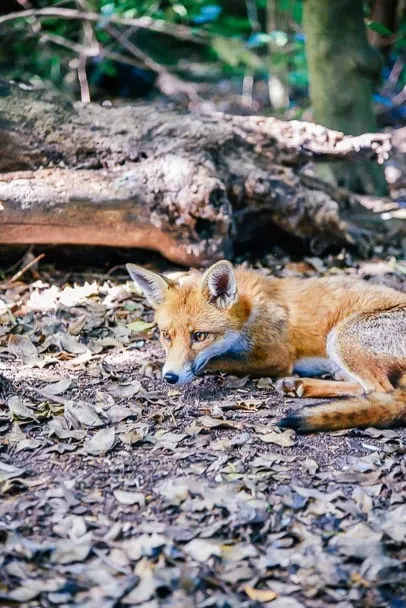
177 375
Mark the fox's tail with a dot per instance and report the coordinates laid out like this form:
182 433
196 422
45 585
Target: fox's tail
376 409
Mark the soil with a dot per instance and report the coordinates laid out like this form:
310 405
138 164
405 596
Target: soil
117 491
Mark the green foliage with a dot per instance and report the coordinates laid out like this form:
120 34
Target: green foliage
47 48
233 40
234 52
378 27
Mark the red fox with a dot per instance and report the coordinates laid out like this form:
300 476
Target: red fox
241 321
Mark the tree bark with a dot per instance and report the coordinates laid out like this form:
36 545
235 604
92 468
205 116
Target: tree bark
190 186
343 68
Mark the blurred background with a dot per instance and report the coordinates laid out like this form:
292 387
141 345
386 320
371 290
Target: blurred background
339 63
240 56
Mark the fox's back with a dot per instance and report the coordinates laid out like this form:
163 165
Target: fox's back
335 298
316 305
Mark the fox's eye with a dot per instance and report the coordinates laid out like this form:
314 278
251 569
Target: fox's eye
165 335
199 336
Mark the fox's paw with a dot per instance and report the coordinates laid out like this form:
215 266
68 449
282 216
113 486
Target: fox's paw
292 387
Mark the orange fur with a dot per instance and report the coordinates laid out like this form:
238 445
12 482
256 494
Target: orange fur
255 324
375 409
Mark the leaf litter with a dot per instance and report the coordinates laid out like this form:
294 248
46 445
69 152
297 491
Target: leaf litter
119 492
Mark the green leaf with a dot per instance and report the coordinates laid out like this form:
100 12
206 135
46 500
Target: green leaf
108 67
237 24
234 52
378 27
140 326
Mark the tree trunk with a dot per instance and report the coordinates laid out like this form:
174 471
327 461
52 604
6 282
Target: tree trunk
343 68
191 186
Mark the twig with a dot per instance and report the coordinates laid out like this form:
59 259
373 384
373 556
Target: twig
10 314
26 5
135 51
178 31
176 82
88 39
78 48
20 273
248 88
82 78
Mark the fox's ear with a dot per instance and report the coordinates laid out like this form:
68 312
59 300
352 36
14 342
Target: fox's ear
154 286
219 284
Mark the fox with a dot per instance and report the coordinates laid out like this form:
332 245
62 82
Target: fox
236 320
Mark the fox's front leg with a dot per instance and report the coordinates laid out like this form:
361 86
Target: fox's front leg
316 388
255 369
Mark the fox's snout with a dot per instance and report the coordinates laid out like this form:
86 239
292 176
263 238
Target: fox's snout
171 378
174 374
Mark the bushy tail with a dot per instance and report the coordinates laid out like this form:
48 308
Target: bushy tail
381 410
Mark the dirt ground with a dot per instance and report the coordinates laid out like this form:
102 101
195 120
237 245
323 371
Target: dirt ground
117 492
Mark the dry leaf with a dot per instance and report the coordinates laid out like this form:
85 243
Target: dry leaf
101 442
283 438
260 595
23 349
8 471
130 498
201 549
19 410
84 414
140 326
56 388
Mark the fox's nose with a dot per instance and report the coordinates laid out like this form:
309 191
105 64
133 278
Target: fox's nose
171 378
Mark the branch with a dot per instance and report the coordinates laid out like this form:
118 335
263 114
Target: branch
80 49
173 29
305 140
168 83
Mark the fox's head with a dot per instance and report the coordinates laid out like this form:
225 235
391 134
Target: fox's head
199 321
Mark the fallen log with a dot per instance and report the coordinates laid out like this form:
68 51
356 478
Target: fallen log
188 185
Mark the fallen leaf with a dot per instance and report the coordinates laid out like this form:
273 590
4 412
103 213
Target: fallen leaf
32 588
287 602
236 382
393 523
126 391
58 427
8 471
19 410
140 326
265 383
359 541
260 595
71 345
28 444
101 442
283 438
117 413
23 349
130 498
145 545
208 422
68 551
201 549
56 388
84 414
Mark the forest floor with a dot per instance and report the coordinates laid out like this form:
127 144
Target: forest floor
117 492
